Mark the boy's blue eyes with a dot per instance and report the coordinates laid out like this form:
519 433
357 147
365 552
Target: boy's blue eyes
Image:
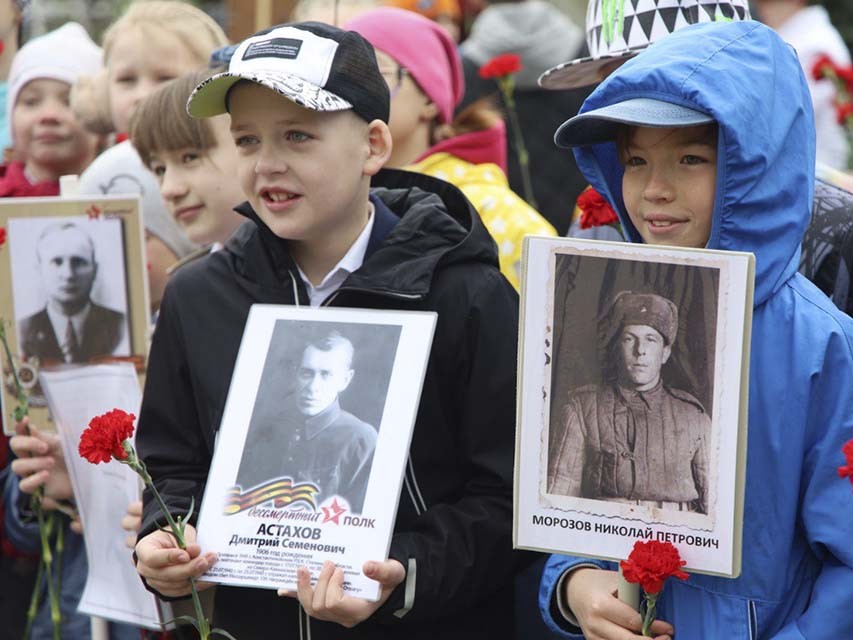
290 136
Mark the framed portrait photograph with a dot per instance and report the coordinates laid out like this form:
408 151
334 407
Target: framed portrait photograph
73 290
632 400
313 443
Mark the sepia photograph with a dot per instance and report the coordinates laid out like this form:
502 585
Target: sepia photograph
632 399
632 382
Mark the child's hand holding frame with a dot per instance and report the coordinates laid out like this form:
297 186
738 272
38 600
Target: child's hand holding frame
327 600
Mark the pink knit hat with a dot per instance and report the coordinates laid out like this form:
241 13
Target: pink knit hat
423 47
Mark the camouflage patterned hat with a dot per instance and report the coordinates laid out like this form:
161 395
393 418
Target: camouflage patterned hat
617 30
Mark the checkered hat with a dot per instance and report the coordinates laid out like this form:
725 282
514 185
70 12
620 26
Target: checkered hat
617 30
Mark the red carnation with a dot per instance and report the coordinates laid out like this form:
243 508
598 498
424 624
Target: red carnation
595 211
823 64
651 563
844 111
104 439
847 470
500 66
107 438
845 75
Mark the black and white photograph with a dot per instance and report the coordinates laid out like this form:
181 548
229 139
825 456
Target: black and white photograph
73 291
316 417
69 287
313 441
632 382
632 399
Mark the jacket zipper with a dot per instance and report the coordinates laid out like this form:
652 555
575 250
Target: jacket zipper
420 498
753 621
393 294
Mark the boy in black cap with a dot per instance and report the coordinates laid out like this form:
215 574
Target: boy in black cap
309 113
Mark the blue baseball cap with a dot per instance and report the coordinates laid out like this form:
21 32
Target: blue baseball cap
601 125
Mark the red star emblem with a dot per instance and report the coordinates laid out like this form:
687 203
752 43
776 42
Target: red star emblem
333 513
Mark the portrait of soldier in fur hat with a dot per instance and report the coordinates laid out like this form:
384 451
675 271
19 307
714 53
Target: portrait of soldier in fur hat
633 439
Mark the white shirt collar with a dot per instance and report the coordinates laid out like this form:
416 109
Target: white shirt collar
59 322
352 261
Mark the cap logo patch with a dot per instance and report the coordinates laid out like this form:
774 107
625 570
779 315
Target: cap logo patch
285 48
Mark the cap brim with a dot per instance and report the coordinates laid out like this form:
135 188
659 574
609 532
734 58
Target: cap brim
584 72
208 99
601 125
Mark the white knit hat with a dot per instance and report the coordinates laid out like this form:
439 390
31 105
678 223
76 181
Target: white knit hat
64 54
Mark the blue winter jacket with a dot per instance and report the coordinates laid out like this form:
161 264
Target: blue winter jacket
797 576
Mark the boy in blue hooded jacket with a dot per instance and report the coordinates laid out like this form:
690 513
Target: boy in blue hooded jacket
706 139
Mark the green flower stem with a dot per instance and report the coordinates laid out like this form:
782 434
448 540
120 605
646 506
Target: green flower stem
60 550
46 525
34 602
651 603
22 409
177 528
507 85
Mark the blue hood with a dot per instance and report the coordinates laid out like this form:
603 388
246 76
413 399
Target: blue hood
751 82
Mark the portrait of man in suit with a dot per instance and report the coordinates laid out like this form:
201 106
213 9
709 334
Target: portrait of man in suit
71 328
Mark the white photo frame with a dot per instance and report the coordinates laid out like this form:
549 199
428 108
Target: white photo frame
591 474
266 515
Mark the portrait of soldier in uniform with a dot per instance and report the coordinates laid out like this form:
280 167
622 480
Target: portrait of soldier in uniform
71 328
312 439
633 439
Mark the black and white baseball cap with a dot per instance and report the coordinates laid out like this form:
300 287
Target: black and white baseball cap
316 65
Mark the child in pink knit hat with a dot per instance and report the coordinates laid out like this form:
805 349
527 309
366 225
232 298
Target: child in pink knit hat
421 64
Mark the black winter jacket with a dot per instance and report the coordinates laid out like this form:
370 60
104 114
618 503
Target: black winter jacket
453 527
